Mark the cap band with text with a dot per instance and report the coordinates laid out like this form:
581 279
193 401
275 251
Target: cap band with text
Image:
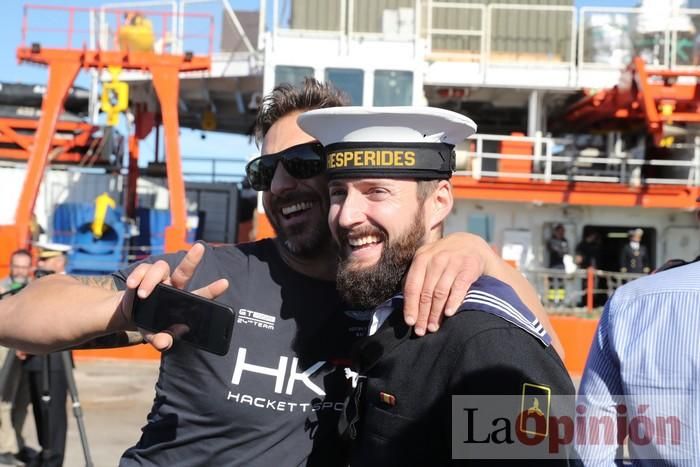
422 161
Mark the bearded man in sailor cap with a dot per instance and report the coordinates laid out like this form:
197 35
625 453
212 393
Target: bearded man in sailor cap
389 171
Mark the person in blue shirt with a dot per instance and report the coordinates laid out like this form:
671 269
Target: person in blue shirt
642 374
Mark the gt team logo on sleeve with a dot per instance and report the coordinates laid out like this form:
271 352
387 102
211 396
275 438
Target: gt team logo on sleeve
255 318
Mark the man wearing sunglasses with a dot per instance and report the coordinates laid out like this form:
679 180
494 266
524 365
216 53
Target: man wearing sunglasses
275 398
301 161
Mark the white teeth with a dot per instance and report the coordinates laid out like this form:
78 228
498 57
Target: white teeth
359 241
302 206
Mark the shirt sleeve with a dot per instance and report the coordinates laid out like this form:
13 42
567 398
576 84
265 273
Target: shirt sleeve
601 389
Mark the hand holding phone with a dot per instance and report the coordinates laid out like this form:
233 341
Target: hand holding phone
144 278
201 322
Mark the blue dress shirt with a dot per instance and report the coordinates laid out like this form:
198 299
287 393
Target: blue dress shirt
646 351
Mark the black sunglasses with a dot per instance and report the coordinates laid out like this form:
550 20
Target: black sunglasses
300 161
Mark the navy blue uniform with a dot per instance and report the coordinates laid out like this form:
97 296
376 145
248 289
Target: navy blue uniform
493 346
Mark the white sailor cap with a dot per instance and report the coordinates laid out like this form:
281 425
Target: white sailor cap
388 142
49 250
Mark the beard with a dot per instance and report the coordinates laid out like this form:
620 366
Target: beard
365 288
305 240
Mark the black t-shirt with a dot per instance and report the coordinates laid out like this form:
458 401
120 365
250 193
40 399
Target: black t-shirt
275 398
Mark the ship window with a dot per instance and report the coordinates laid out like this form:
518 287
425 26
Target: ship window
393 87
293 75
349 81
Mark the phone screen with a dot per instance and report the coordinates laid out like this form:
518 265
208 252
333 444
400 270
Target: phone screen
203 323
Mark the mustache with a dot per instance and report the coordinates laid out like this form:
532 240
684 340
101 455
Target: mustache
292 198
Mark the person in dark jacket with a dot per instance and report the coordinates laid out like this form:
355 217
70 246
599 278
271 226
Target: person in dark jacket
587 253
557 248
389 189
48 386
634 257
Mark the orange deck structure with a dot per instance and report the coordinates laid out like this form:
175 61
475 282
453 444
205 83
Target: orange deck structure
645 97
580 193
70 147
63 64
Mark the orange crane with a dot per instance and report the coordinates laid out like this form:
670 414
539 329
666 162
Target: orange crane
63 64
645 98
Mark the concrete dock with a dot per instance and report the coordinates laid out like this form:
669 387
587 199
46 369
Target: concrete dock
116 396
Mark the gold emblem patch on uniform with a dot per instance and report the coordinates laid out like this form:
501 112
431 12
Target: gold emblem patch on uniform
534 409
387 398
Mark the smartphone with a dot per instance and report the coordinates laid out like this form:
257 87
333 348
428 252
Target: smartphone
198 321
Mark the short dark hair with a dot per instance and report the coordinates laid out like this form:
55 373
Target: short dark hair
21 252
286 98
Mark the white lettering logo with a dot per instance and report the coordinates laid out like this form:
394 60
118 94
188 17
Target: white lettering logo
283 406
260 320
279 373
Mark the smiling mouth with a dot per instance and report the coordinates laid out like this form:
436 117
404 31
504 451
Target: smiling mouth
296 209
363 242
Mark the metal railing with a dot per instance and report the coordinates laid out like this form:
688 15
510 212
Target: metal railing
540 163
576 291
187 31
119 27
230 170
552 46
463 32
552 36
299 22
610 37
587 38
176 26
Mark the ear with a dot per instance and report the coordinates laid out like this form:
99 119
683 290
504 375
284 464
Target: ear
440 204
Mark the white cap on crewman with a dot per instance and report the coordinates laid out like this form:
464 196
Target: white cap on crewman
49 250
388 142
